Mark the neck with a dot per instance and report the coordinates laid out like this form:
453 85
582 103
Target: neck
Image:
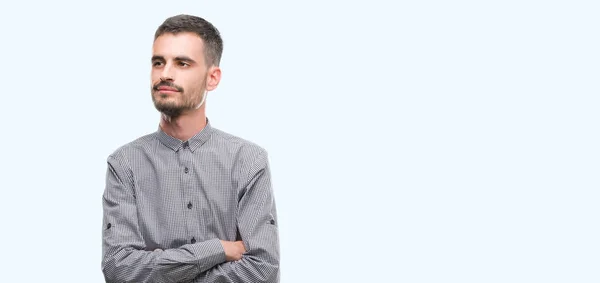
185 126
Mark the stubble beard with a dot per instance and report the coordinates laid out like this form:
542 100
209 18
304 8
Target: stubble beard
179 104
171 108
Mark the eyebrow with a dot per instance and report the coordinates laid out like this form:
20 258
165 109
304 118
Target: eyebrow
157 57
178 58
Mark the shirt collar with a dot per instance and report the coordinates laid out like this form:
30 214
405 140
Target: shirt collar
193 143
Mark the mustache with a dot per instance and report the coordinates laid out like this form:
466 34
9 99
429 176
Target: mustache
167 84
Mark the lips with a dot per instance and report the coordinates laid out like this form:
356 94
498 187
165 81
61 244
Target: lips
167 89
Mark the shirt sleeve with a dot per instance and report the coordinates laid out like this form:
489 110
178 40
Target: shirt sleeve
258 227
124 258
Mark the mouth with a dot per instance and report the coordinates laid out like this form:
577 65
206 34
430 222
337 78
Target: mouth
164 89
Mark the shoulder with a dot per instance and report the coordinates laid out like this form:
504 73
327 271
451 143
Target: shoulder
127 150
243 148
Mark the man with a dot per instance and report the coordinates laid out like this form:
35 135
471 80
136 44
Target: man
189 202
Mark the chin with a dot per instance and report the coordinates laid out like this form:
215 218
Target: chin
165 99
168 109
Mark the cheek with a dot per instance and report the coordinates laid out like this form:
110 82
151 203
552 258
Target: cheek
191 84
155 74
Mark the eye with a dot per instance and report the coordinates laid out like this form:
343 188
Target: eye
156 63
183 64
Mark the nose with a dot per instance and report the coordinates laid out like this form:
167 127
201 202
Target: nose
167 73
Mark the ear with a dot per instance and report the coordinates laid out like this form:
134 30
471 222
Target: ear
213 78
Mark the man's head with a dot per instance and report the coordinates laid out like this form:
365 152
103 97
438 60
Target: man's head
185 64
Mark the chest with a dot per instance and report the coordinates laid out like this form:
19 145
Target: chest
178 200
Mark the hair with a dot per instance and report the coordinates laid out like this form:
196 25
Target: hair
213 44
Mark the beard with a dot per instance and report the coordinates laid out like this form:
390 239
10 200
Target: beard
169 108
174 105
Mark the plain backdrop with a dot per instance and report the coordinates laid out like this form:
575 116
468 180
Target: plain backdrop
409 141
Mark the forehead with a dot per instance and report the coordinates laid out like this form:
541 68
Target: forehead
171 45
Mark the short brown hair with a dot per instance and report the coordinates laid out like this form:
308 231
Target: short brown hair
213 44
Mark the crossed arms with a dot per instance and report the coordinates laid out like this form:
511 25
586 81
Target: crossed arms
254 259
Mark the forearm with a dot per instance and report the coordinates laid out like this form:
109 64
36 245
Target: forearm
259 264
248 269
128 264
174 265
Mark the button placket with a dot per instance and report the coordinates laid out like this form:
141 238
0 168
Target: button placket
188 188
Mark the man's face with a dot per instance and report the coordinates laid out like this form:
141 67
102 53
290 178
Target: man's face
179 73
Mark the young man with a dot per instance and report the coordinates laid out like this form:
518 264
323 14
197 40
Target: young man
189 202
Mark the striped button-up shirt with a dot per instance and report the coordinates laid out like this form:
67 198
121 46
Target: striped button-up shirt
168 203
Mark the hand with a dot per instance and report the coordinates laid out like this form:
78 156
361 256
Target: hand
233 250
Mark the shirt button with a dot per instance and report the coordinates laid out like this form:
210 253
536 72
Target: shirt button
185 145
186 170
108 226
193 240
190 205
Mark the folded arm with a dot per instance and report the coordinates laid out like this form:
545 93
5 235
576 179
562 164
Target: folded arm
124 258
257 224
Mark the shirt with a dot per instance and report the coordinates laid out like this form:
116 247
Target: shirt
167 204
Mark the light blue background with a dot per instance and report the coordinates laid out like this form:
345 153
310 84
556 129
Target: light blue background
415 141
